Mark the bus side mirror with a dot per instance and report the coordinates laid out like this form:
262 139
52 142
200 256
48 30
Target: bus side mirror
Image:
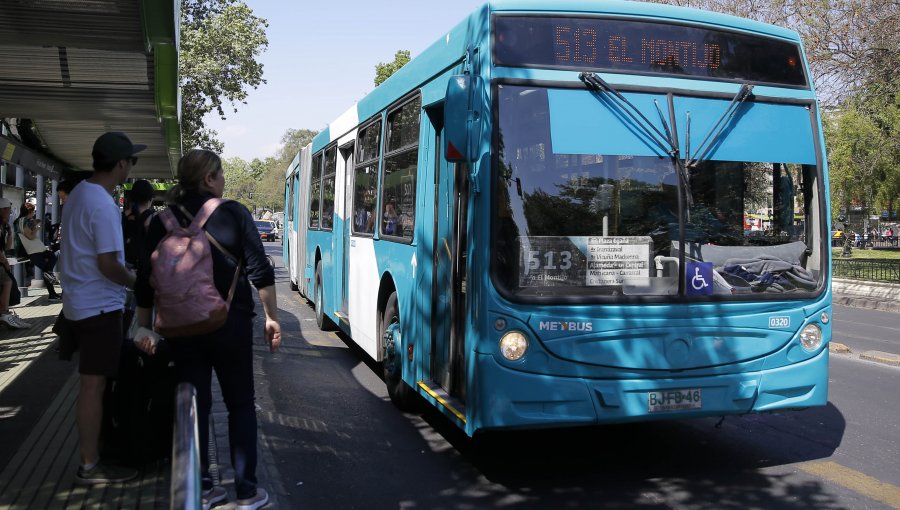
461 119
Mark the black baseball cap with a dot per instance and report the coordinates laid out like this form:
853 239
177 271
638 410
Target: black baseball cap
114 146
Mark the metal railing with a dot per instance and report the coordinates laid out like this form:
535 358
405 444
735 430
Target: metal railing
184 487
867 269
867 241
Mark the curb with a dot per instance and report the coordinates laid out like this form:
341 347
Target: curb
864 294
884 358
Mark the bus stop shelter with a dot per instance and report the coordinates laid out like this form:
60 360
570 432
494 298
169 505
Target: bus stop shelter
71 70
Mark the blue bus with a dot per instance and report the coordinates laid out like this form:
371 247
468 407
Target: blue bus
540 220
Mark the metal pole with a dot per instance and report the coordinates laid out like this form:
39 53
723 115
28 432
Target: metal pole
19 270
184 488
54 203
39 206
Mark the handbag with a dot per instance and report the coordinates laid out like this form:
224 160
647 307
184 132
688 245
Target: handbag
15 295
31 246
68 343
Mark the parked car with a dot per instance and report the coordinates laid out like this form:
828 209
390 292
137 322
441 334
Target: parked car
837 238
267 231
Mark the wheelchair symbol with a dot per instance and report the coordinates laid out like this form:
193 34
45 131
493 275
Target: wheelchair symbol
698 282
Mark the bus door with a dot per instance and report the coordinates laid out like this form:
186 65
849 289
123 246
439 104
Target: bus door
291 224
346 154
449 270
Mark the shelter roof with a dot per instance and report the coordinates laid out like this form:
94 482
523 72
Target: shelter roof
78 68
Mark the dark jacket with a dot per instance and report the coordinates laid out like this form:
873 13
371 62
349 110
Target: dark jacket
232 226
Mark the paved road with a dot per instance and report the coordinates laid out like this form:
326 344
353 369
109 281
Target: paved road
865 330
335 441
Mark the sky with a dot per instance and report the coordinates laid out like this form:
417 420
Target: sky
321 60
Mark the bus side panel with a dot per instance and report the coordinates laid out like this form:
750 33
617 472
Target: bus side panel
363 293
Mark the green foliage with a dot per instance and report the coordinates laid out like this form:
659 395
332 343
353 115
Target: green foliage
858 253
220 43
259 184
383 71
239 180
853 48
851 45
291 142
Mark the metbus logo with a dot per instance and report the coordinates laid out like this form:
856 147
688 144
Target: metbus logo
566 326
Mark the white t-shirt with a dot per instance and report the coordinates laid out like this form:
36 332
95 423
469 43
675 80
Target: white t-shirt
92 225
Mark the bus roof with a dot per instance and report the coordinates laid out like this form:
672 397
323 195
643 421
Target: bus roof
450 48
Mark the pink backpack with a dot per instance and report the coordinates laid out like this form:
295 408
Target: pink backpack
187 301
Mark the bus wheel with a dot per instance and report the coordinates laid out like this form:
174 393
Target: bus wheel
392 344
322 321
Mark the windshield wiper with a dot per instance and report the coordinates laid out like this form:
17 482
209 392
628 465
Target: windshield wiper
597 83
679 163
669 145
712 137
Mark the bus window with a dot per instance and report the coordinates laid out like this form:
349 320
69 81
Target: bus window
400 169
365 179
315 188
608 223
328 173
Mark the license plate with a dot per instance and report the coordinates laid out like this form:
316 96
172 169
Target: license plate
673 400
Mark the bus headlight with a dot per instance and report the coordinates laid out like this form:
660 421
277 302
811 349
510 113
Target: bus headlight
811 337
513 345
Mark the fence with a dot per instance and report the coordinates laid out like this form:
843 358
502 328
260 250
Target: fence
867 269
866 241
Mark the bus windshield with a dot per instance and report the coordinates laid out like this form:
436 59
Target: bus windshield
587 208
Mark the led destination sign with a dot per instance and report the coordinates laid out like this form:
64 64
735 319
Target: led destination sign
641 47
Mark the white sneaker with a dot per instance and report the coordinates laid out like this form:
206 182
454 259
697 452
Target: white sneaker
13 321
6 319
22 322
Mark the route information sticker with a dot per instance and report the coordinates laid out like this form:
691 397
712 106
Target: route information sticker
583 260
611 259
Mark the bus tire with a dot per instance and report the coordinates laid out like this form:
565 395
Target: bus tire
402 395
322 320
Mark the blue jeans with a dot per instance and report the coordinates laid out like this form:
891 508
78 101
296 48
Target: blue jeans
230 352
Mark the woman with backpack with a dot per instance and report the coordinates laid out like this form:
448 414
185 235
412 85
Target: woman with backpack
238 261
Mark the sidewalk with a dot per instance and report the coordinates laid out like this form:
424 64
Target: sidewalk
872 295
39 471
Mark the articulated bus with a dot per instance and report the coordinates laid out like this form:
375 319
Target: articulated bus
539 221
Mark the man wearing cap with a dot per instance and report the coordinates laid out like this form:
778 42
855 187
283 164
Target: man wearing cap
95 277
7 316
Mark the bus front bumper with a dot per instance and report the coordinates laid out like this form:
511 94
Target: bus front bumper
512 399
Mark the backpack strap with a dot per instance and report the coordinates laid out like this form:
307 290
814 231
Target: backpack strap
205 211
145 217
168 219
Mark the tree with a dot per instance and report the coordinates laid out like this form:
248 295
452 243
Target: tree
863 158
220 43
383 71
291 142
851 44
239 180
853 48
